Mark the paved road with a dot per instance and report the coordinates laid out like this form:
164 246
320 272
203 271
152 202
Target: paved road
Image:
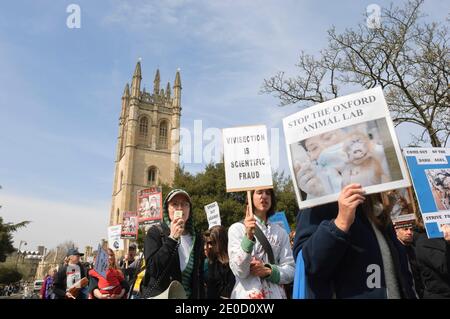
18 296
13 296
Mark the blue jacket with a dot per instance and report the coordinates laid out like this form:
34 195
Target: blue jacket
339 264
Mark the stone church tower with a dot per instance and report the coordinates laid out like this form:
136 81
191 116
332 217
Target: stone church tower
148 143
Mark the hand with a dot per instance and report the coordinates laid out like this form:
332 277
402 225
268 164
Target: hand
258 269
307 179
176 228
249 223
351 196
69 295
446 231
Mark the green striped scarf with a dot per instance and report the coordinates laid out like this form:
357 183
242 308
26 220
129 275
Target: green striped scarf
186 275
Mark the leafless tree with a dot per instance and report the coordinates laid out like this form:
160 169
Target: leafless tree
407 56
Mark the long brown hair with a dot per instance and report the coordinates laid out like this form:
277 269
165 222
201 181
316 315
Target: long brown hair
219 240
112 265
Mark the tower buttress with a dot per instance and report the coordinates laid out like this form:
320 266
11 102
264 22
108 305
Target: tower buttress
168 93
177 91
156 83
136 83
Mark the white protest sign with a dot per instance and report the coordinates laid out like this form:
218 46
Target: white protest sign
213 214
114 240
347 140
101 261
246 158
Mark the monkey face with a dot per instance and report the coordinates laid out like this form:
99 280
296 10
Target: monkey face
357 148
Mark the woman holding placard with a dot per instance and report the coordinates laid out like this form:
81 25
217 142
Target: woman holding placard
349 250
113 286
259 251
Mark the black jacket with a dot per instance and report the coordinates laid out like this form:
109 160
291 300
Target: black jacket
220 281
338 263
60 284
415 269
433 257
163 262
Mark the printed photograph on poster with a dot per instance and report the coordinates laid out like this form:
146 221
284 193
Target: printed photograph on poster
130 225
149 205
439 181
347 140
401 204
430 172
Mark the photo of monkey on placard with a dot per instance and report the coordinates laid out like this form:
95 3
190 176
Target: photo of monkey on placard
439 180
149 203
400 203
363 153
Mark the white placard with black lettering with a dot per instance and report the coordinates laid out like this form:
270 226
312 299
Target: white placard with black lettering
350 139
246 158
114 240
213 214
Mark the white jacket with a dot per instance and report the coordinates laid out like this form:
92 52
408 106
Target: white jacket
248 286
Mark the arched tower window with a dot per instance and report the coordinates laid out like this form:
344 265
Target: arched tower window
152 175
118 217
163 135
121 180
143 127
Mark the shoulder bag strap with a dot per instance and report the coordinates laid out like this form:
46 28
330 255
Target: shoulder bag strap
264 243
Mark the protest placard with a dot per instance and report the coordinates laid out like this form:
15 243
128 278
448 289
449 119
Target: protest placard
114 240
430 173
246 158
101 261
402 206
347 140
149 205
130 225
213 214
280 218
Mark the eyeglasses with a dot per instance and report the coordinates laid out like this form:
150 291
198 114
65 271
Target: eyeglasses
178 204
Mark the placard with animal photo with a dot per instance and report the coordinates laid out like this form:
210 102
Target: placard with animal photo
430 173
347 140
149 205
130 225
402 206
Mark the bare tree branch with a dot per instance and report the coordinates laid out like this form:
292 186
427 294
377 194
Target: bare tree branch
406 56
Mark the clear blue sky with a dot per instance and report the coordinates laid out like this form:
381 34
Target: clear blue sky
61 88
